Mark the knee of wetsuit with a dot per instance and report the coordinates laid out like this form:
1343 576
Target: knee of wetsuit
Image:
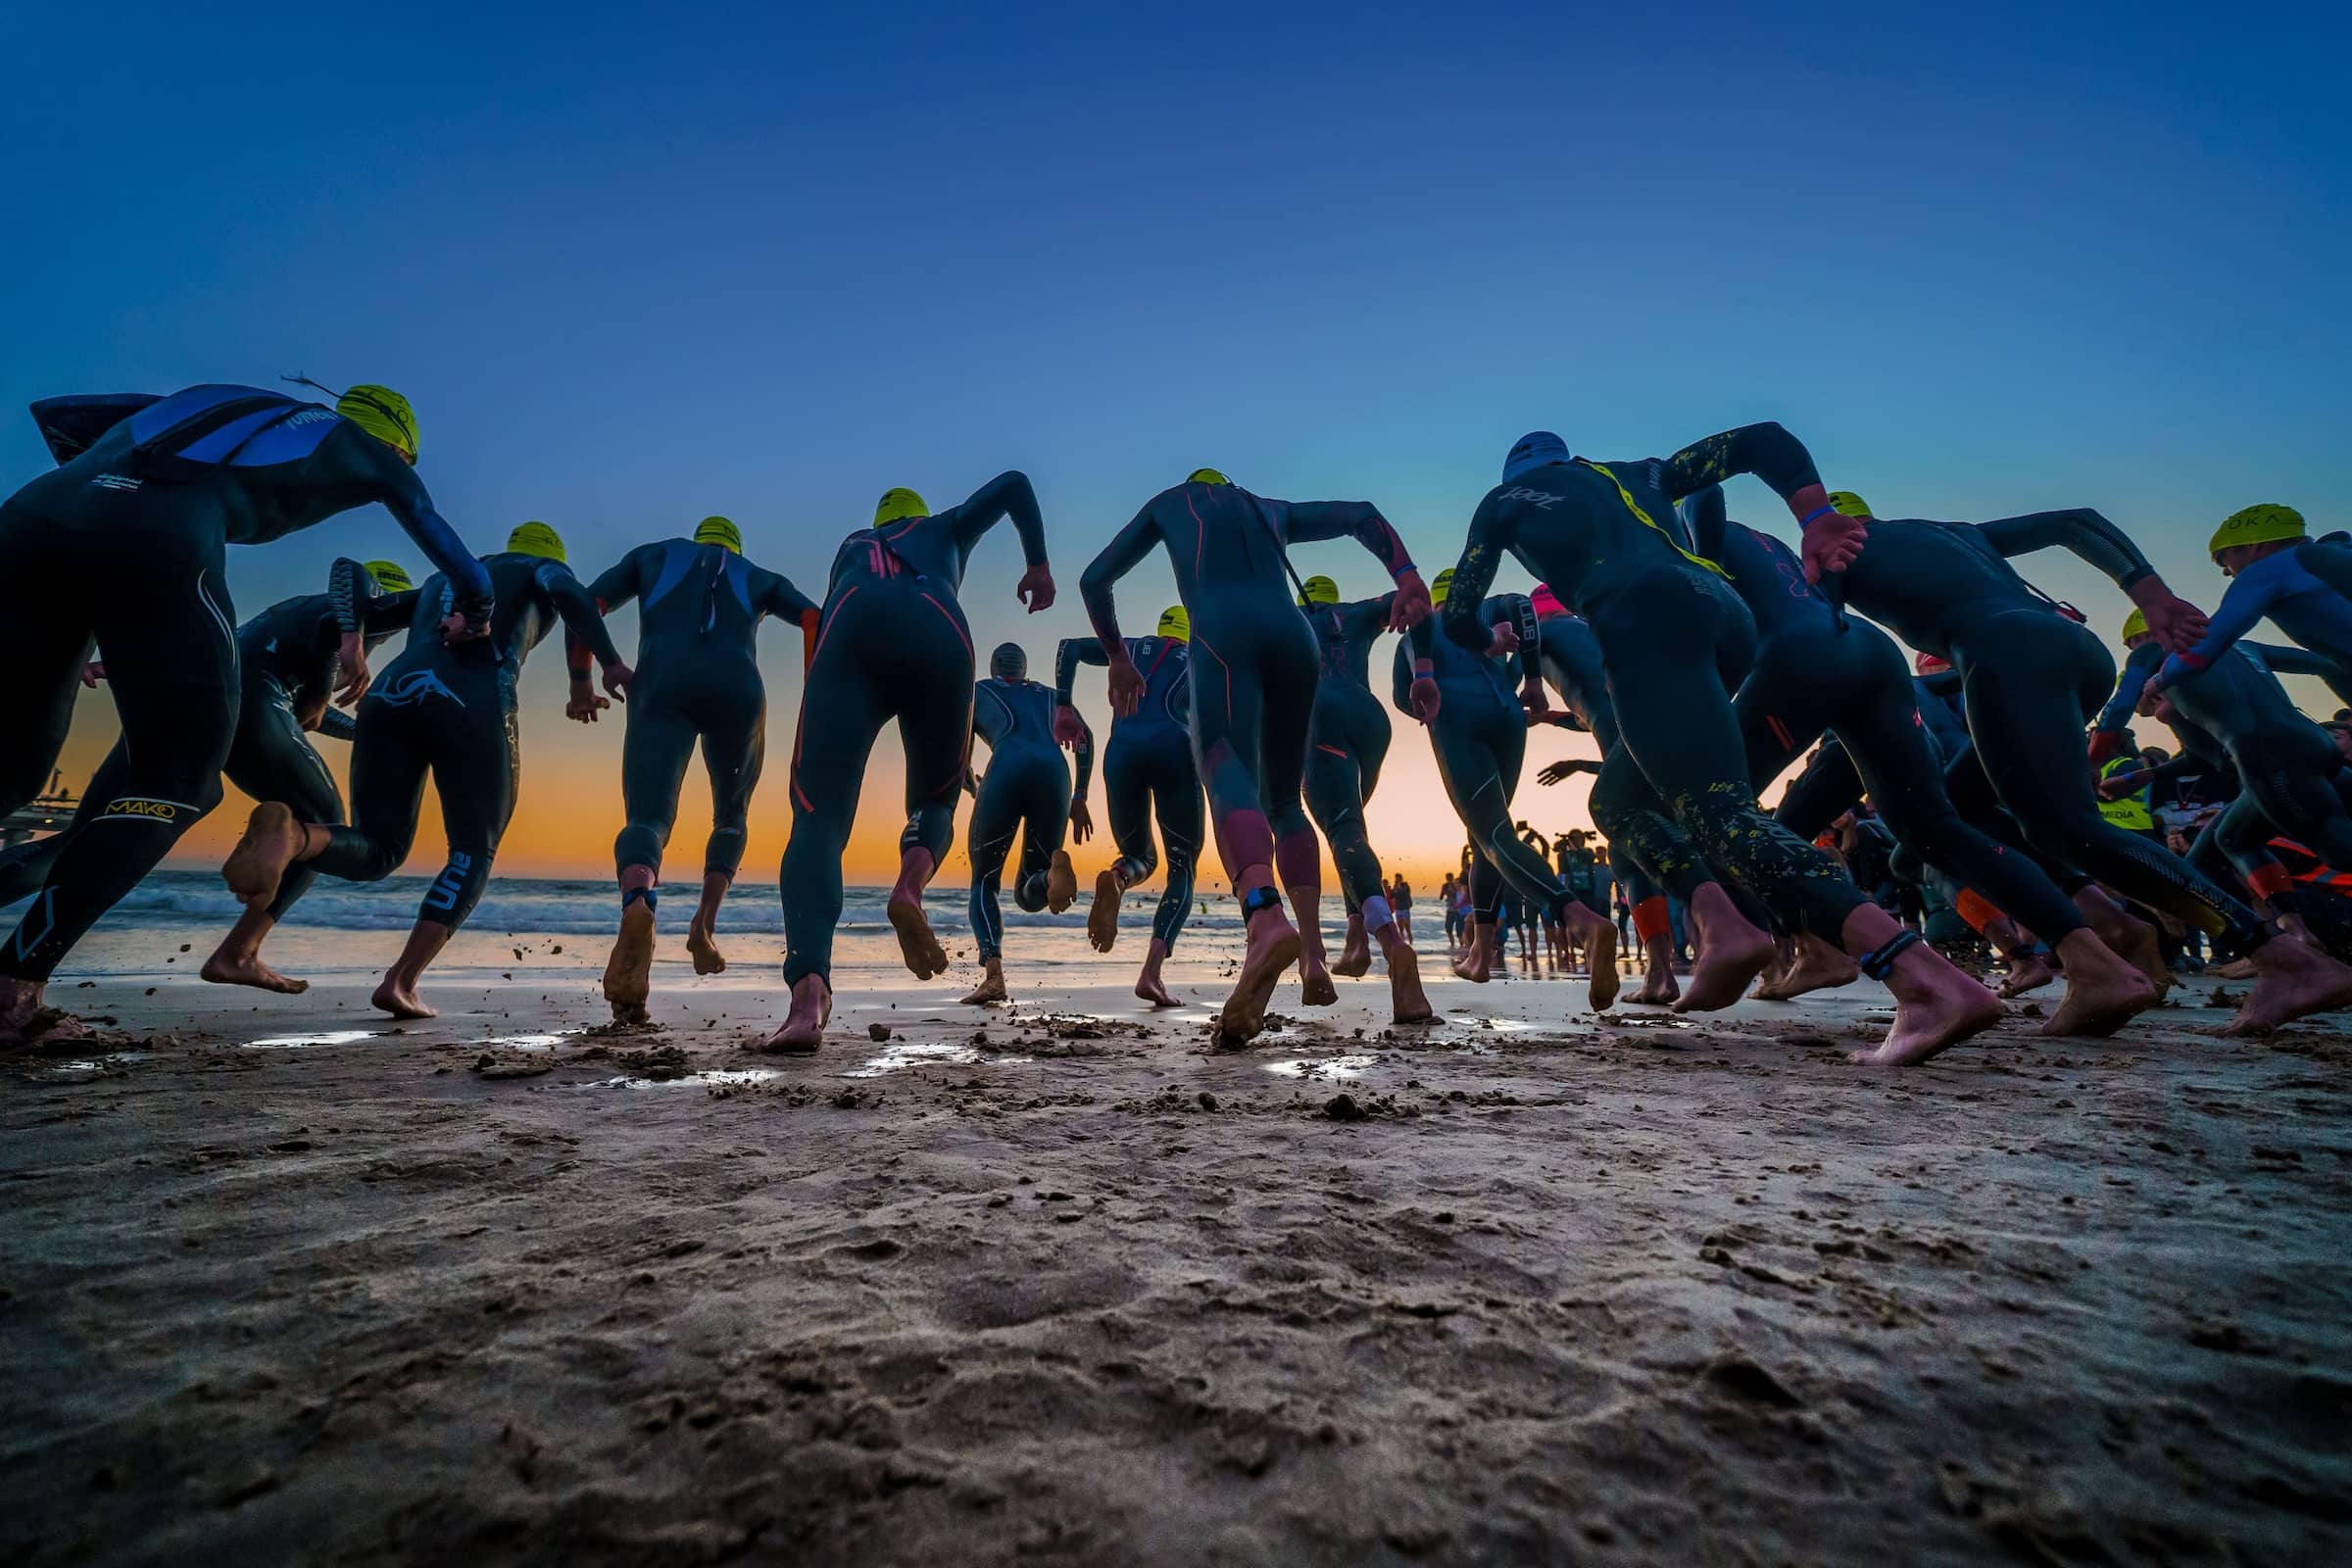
722 853
1008 664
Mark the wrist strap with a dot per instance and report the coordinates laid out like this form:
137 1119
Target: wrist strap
1806 521
1879 962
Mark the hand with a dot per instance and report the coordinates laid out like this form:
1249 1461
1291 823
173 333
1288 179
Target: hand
311 712
1554 773
351 671
1126 687
2175 623
1036 587
1068 727
2149 696
1411 605
619 677
460 628
1832 542
584 705
2166 713
1425 699
93 672
1505 643
1539 715
1081 820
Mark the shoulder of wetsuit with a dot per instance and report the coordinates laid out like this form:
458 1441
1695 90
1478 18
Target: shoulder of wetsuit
71 425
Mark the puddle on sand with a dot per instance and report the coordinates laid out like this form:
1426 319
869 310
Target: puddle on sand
525 1041
902 1054
334 1037
1321 1066
96 1065
732 1077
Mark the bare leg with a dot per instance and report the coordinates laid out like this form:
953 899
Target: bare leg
702 935
992 982
922 950
2103 990
2291 981
1478 952
1599 939
273 841
1730 950
629 970
397 995
1659 987
237 961
1355 953
1102 917
1935 1006
2126 935
1314 973
1148 984
1406 1000
24 1016
1061 882
805 1024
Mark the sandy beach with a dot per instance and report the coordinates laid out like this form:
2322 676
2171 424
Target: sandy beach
1051 1284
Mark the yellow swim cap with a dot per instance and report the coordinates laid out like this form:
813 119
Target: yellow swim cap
2134 624
1320 590
1174 622
899 503
2256 526
384 415
1848 504
719 531
1440 588
1206 476
391 575
536 539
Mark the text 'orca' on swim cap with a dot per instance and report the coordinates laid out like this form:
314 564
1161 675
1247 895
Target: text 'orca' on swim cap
2256 526
391 575
898 502
384 415
1206 476
1850 505
1319 590
536 539
719 531
1009 662
1538 449
1174 622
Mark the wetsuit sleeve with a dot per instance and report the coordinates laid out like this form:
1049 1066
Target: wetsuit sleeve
1768 451
337 725
387 613
1402 689
404 496
2081 530
1369 617
1482 557
1943 683
2248 600
1707 516
2116 717
1073 651
1360 521
617 584
781 598
2285 658
1084 751
572 601
1008 495
1118 558
348 587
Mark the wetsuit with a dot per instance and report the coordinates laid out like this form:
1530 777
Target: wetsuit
1568 656
125 544
2291 771
1675 642
1026 790
2031 676
2306 591
699 609
448 711
1348 739
891 643
1816 669
1480 737
1147 770
286 668
1254 654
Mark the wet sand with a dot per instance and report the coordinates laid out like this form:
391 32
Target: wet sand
1008 1289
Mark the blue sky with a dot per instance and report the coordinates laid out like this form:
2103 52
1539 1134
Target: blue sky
634 266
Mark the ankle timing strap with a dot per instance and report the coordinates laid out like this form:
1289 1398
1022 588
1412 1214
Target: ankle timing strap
1879 962
632 894
1260 899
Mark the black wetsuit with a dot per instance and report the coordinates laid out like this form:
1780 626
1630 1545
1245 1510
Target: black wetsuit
448 711
1568 656
1676 641
1480 738
891 643
286 667
1254 654
1348 739
125 544
1025 789
1147 770
1816 670
699 609
2031 675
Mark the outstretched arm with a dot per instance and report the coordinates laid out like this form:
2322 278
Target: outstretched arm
1362 521
404 496
1490 538
578 610
1073 651
2246 602
1008 495
2080 529
1084 751
615 585
779 597
1773 454
1122 556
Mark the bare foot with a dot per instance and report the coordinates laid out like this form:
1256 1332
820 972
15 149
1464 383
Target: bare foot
24 1019
1599 939
1315 989
1061 882
1659 988
1818 967
1476 962
1407 1002
1148 986
1731 951
915 941
399 998
2102 991
255 867
1356 953
992 982
224 969
1102 917
2126 936
1274 946
1935 1006
2293 981
702 946
2235 969
2030 971
629 971
804 1026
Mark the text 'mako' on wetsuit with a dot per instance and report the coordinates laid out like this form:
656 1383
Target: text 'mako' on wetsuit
127 539
1147 770
699 610
1026 790
891 643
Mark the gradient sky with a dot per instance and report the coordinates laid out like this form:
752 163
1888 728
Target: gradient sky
637 265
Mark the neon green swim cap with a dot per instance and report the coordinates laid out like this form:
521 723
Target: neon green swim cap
2134 624
391 575
1206 476
1320 590
536 539
719 531
899 503
2256 526
384 415
1850 505
1439 588
1174 622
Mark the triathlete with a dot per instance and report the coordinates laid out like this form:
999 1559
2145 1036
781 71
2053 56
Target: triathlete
1026 791
2301 584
